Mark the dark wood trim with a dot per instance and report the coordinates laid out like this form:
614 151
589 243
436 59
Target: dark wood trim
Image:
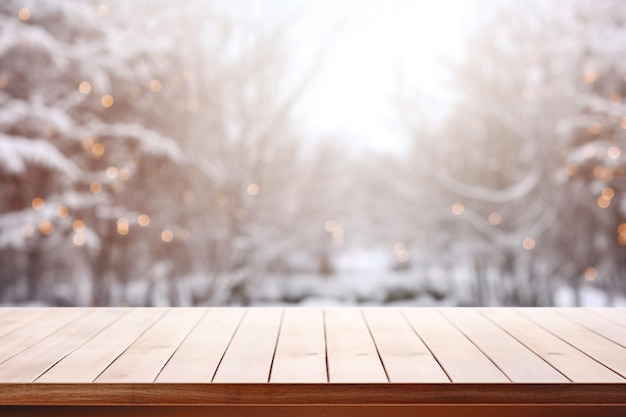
315 411
312 394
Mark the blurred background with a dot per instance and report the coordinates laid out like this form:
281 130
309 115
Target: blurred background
457 153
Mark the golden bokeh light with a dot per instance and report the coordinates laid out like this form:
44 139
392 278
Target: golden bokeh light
595 128
84 87
107 100
87 143
338 232
621 239
112 173
621 229
458 209
46 227
614 152
167 235
604 202
95 187
590 76
495 218
572 170
591 273
78 226
156 86
24 13
143 220
528 243
63 211
79 239
622 122
603 173
123 227
37 203
97 149
253 189
608 192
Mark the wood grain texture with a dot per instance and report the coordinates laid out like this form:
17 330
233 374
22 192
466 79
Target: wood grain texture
197 358
249 356
92 358
595 323
403 353
27 365
145 358
14 318
518 362
352 354
34 331
601 349
273 357
301 394
461 359
571 362
301 350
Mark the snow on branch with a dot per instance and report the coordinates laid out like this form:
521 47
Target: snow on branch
17 152
498 196
150 140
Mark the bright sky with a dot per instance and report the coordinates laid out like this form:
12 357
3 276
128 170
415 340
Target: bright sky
377 48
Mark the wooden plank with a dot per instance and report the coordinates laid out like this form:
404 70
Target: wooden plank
461 359
612 314
196 360
145 358
599 348
89 360
572 363
351 352
517 362
35 360
250 353
32 332
14 318
301 350
405 357
595 323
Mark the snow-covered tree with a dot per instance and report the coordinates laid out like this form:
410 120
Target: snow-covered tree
531 154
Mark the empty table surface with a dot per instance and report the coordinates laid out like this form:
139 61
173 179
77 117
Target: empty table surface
295 356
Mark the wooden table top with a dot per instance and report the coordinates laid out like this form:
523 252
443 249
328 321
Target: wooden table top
312 356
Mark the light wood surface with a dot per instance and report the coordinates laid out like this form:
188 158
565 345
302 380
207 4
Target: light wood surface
275 356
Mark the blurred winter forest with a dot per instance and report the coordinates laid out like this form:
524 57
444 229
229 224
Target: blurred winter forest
149 156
